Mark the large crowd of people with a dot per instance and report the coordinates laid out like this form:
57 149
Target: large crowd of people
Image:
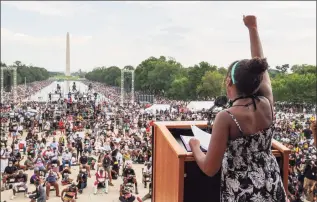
105 141
23 91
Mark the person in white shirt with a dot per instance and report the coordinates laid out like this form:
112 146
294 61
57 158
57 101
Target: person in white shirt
54 157
21 119
119 157
101 179
47 126
148 169
66 158
20 129
147 172
4 155
54 144
47 153
11 116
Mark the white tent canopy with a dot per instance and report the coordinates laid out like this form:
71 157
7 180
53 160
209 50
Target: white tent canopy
158 107
195 106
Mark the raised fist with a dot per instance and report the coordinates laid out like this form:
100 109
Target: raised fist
250 21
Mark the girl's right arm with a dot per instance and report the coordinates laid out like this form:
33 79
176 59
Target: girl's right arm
256 51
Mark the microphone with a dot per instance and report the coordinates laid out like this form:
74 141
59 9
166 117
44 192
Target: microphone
220 101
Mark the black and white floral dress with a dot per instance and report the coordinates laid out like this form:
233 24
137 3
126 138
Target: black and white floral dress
250 171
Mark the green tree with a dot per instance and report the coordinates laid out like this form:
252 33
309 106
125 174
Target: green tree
211 85
304 69
155 75
223 71
195 75
295 87
29 73
165 76
111 74
178 89
162 76
142 81
283 69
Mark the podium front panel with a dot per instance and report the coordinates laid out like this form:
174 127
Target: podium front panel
200 187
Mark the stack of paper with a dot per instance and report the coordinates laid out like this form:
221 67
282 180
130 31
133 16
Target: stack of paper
202 136
185 140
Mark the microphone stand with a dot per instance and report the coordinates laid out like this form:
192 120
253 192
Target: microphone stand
209 116
220 101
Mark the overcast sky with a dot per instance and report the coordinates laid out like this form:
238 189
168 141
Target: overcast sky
125 33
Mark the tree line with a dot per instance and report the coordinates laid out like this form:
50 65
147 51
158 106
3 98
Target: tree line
167 77
29 73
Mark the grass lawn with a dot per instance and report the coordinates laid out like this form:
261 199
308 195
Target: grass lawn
70 78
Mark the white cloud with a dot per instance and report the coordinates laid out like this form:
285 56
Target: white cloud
11 36
50 8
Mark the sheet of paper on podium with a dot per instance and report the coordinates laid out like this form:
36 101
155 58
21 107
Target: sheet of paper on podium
202 136
185 140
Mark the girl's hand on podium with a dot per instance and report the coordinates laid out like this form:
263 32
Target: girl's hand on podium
194 143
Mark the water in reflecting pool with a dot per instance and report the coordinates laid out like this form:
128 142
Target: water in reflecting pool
66 86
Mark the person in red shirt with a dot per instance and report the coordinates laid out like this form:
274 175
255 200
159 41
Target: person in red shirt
74 128
101 180
148 129
61 126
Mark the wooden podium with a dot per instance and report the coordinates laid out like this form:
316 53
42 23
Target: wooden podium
176 175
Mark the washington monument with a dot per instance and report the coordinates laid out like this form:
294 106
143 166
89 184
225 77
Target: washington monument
67 56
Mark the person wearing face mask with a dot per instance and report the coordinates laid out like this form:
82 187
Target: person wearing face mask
106 163
87 145
101 181
82 178
47 153
17 158
54 157
40 163
130 177
9 172
54 144
20 181
147 172
127 196
66 172
83 160
52 180
66 158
